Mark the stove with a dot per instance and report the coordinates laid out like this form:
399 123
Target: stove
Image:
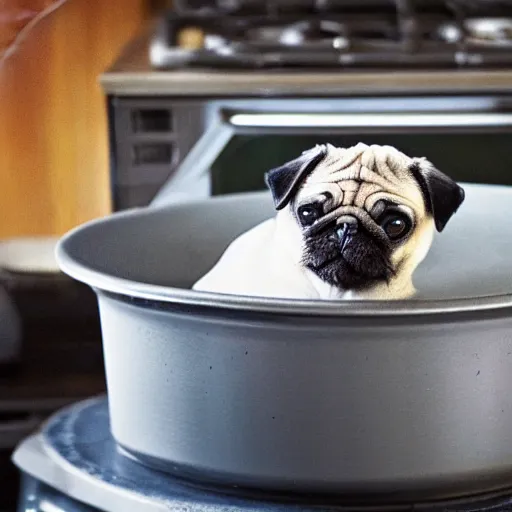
344 34
213 82
73 464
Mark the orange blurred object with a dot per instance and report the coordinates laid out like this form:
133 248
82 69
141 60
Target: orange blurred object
54 169
17 16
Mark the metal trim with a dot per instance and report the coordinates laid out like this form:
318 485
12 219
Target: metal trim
370 119
329 308
195 166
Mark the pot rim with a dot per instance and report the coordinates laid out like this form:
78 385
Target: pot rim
101 281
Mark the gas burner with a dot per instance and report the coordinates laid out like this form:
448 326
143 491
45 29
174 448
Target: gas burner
489 31
485 32
336 34
303 35
306 33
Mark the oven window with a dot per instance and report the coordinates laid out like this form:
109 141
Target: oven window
477 158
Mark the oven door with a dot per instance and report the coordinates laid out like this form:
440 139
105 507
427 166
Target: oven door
470 139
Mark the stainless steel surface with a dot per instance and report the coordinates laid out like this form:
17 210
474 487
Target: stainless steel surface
132 74
407 398
196 83
362 120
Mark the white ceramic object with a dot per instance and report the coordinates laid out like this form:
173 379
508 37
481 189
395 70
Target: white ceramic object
29 255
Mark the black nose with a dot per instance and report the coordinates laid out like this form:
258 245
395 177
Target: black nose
345 231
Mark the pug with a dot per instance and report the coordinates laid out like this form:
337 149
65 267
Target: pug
351 223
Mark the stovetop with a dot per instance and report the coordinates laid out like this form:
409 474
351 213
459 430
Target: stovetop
74 462
345 34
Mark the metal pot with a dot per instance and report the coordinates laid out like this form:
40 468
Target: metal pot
363 400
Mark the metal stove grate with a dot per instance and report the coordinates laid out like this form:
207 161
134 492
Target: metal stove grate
343 34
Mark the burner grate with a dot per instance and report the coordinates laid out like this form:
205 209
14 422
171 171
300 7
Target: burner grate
344 34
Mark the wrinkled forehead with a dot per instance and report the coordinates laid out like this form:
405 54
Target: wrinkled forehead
362 175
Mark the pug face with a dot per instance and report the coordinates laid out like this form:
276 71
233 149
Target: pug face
365 216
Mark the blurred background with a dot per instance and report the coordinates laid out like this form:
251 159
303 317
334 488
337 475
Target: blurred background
103 104
54 175
54 143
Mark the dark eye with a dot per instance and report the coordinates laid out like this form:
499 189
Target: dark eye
396 226
309 213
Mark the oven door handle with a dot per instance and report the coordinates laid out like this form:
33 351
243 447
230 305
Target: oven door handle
367 120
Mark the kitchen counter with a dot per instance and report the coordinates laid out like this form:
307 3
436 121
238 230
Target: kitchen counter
132 74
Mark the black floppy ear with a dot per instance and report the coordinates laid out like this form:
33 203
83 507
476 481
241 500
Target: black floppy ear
443 196
283 181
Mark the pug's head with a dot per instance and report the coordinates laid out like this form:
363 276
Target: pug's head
365 215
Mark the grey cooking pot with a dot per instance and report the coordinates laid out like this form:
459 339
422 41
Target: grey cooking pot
363 400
